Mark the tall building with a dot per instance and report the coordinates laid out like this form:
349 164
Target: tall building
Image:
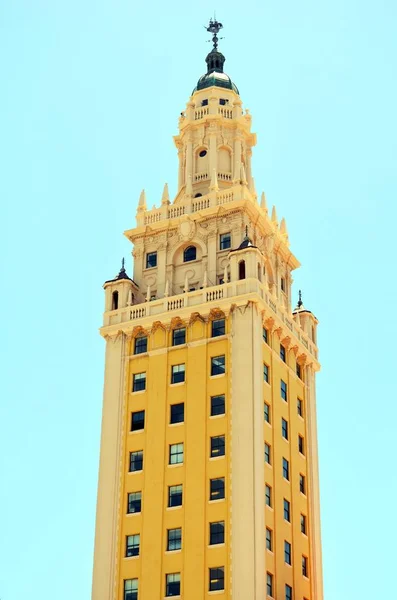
208 481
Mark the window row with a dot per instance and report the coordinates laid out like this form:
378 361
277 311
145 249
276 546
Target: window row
216 581
270 587
286 509
283 352
267 415
190 253
218 328
285 434
218 367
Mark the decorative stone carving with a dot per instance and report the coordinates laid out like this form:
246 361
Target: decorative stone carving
216 313
196 317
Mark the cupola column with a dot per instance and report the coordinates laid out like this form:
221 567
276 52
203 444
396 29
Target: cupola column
237 159
180 169
213 153
189 160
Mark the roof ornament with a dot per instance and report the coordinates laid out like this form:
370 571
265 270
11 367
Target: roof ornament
300 303
214 27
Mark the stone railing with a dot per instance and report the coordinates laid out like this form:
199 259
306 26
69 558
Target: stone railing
224 176
201 177
211 294
200 113
225 112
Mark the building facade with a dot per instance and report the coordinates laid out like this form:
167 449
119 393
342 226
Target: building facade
208 480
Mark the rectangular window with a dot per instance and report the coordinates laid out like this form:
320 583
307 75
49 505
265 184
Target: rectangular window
177 373
299 370
300 407
218 365
179 336
217 446
138 420
283 284
285 469
217 579
288 592
217 405
283 391
301 444
176 454
302 484
174 539
269 539
139 382
132 545
136 461
175 495
287 552
265 373
269 585
173 584
225 241
284 428
151 260
217 533
265 335
283 354
218 328
177 413
305 570
217 488
268 495
266 409
287 510
140 345
130 589
268 453
134 504
303 524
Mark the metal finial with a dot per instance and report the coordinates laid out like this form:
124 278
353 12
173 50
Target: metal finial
214 27
246 231
122 264
300 303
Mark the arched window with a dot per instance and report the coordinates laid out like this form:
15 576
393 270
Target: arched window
241 269
259 272
189 254
115 300
198 195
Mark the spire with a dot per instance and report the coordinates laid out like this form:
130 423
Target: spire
214 181
214 27
283 226
215 60
274 215
263 202
299 306
142 201
165 199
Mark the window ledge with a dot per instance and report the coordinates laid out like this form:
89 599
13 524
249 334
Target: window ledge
138 391
140 354
132 557
176 424
217 376
216 592
133 515
174 507
176 385
174 551
217 416
216 545
176 465
217 501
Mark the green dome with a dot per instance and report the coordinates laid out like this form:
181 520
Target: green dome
215 75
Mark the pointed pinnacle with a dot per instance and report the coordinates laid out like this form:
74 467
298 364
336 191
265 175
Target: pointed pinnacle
165 199
253 189
274 215
214 180
142 200
283 226
263 202
243 176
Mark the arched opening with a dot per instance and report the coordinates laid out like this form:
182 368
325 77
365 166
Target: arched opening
115 300
241 269
259 272
198 195
189 254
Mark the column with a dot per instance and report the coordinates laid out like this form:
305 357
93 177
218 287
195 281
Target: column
237 159
189 160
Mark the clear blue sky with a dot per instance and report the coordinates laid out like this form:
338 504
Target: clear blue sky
91 93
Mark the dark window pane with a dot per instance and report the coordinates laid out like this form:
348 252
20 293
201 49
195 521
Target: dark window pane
268 454
284 429
217 405
286 469
302 484
130 589
269 584
269 540
283 391
303 524
132 545
176 454
175 495
177 373
265 373
189 254
177 414
225 241
140 345
287 510
282 353
268 495
217 365
134 502
218 327
218 446
178 337
267 412
287 552
174 539
139 382
173 584
217 488
217 533
138 420
151 260
217 579
136 461
300 407
301 444
265 335
288 592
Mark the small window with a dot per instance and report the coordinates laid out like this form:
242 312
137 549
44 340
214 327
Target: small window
223 101
265 373
134 504
217 405
218 328
198 195
179 336
300 407
269 585
130 589
303 524
132 545
225 241
218 365
176 454
177 413
287 510
136 461
115 300
268 454
288 592
139 382
138 420
151 260
241 269
265 335
299 370
283 354
174 539
217 488
266 412
217 533
283 284
302 484
217 579
301 444
284 428
189 254
285 469
269 539
177 373
283 391
305 570
268 495
175 495
140 345
287 552
217 446
204 103
173 584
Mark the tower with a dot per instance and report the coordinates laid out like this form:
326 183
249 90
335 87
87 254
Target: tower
208 480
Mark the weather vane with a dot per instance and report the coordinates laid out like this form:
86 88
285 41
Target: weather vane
214 27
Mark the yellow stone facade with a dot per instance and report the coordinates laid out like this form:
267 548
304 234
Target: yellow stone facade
207 314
